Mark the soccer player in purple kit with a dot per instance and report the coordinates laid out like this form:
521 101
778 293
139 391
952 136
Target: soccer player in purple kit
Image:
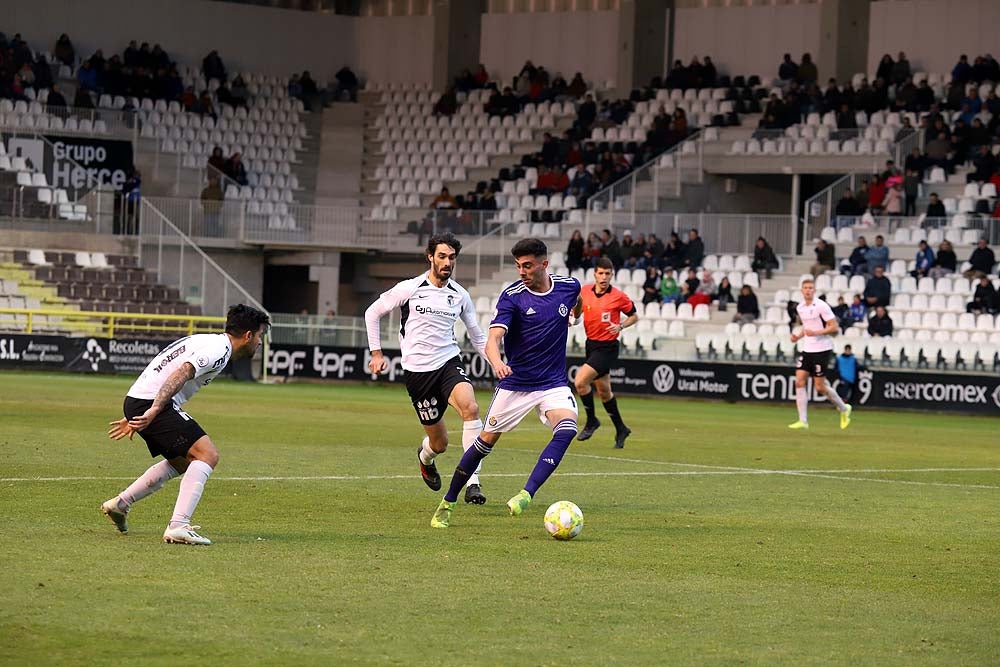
532 320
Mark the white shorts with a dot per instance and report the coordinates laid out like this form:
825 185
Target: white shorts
508 408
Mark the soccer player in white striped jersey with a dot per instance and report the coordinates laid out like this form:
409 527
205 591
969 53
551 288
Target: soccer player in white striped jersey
818 324
430 305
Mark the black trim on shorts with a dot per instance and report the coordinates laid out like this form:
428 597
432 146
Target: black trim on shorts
429 391
171 433
601 355
814 363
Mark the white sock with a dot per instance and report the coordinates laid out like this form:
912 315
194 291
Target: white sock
835 398
470 431
148 483
802 402
426 453
192 485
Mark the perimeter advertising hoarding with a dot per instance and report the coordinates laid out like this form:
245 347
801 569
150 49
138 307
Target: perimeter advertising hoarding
916 390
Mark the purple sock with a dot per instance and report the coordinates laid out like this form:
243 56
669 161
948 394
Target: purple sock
470 461
548 461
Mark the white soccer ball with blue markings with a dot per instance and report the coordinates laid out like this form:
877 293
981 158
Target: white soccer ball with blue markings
563 520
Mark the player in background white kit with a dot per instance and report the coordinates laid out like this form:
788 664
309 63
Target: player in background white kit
153 409
430 305
818 324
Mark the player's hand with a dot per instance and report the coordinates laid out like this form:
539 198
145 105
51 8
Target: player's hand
502 371
795 338
615 328
143 420
808 332
119 429
378 363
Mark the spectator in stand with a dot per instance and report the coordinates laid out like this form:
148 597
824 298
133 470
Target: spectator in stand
577 87
962 71
211 204
204 107
347 82
56 99
669 290
893 202
985 163
633 251
861 196
707 284
808 74
880 325
878 289
592 250
654 251
788 70
925 261
847 209
876 195
694 251
64 51
444 200
611 249
82 99
447 104
481 77
651 287
935 207
857 310
764 259
945 262
295 87
240 93
213 68
900 70
911 190
673 253
723 293
848 371
86 76
692 282
747 308
217 161
843 313
825 258
984 300
878 255
235 169
586 114
982 260
310 91
885 66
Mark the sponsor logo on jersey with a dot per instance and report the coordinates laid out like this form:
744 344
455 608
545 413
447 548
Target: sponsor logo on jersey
431 310
202 361
167 359
563 310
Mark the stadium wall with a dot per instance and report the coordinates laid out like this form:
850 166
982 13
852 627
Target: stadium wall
748 40
932 33
260 39
562 42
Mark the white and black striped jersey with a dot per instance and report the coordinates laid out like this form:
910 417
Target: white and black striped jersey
815 317
208 353
427 322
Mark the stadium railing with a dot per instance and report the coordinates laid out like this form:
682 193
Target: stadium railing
176 260
611 199
76 121
110 324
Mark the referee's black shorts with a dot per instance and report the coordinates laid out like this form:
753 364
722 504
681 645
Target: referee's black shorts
429 391
171 433
601 355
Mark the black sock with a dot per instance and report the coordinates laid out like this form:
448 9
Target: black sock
612 408
588 406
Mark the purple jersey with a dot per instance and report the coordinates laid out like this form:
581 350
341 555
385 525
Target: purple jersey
537 326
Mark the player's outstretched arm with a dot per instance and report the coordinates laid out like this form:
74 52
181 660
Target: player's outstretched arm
500 369
164 396
119 429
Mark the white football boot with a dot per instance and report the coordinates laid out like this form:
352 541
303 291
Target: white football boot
118 517
184 535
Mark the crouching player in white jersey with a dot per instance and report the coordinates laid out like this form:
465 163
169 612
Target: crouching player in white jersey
818 324
430 305
153 409
532 320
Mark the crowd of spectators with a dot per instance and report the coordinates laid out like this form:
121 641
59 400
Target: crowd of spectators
305 89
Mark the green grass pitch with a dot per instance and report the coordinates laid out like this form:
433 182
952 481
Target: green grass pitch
716 537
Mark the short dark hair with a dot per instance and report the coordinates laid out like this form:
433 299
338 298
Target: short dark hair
604 263
446 238
242 318
533 247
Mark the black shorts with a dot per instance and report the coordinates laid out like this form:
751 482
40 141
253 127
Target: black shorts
601 355
430 390
170 434
814 363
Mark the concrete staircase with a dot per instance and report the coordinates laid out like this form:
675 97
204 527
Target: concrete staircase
339 156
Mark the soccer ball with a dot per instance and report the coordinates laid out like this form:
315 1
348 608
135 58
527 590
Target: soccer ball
563 520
